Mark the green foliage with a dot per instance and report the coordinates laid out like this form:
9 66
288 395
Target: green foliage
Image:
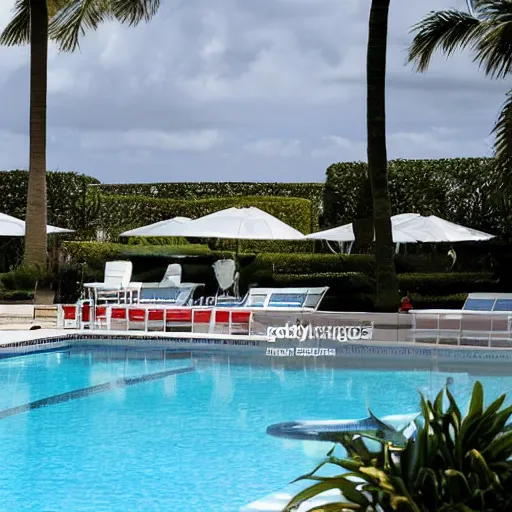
25 278
210 190
16 295
157 240
315 263
453 301
69 203
447 283
121 213
454 463
96 254
459 190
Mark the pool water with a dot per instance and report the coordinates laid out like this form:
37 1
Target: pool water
194 441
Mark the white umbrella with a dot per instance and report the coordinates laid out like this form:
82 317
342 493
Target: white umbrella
346 234
435 229
241 224
169 227
412 228
11 226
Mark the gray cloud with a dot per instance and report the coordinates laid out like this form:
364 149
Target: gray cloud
232 90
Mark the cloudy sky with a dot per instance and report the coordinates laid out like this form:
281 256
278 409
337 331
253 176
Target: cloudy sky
247 90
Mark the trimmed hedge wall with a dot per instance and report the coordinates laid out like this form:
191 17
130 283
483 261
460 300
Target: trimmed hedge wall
209 190
120 213
69 204
460 190
448 284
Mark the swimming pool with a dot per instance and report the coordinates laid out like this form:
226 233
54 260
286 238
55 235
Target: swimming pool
192 441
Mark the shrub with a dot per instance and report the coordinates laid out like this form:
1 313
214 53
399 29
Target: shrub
341 282
447 283
25 278
16 295
157 240
208 190
453 463
460 190
282 263
454 301
69 204
120 213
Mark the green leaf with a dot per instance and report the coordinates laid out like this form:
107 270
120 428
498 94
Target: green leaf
335 507
479 466
500 448
477 400
309 493
457 485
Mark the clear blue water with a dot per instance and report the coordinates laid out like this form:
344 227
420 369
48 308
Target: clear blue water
194 442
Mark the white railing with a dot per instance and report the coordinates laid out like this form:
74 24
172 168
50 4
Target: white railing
474 328
153 317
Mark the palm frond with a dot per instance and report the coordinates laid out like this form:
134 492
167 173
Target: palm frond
134 11
494 49
502 132
17 31
446 31
54 6
73 19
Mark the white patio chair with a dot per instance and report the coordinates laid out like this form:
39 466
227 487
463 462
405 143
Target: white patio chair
226 275
116 285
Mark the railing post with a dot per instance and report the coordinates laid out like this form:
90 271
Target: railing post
230 312
438 327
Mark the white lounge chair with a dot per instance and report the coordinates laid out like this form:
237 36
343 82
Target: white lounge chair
171 279
116 286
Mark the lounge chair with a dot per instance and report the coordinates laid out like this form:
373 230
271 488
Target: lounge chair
291 298
171 279
181 295
116 286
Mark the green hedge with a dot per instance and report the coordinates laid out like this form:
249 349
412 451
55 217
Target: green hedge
95 254
315 263
120 213
209 190
460 190
69 203
453 301
447 283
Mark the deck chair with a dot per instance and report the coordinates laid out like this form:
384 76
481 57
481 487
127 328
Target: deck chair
171 279
227 278
116 286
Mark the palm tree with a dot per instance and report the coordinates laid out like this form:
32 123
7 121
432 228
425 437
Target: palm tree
34 22
387 288
485 30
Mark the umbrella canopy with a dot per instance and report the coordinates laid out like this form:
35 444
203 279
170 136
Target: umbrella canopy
11 226
346 233
435 229
169 227
412 228
241 224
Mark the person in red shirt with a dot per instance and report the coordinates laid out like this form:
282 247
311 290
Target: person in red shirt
405 304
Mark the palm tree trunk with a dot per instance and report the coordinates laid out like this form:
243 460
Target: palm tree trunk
35 236
387 288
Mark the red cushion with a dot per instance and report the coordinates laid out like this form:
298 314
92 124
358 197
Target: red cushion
118 313
203 316
178 315
137 315
156 315
222 317
240 317
69 312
